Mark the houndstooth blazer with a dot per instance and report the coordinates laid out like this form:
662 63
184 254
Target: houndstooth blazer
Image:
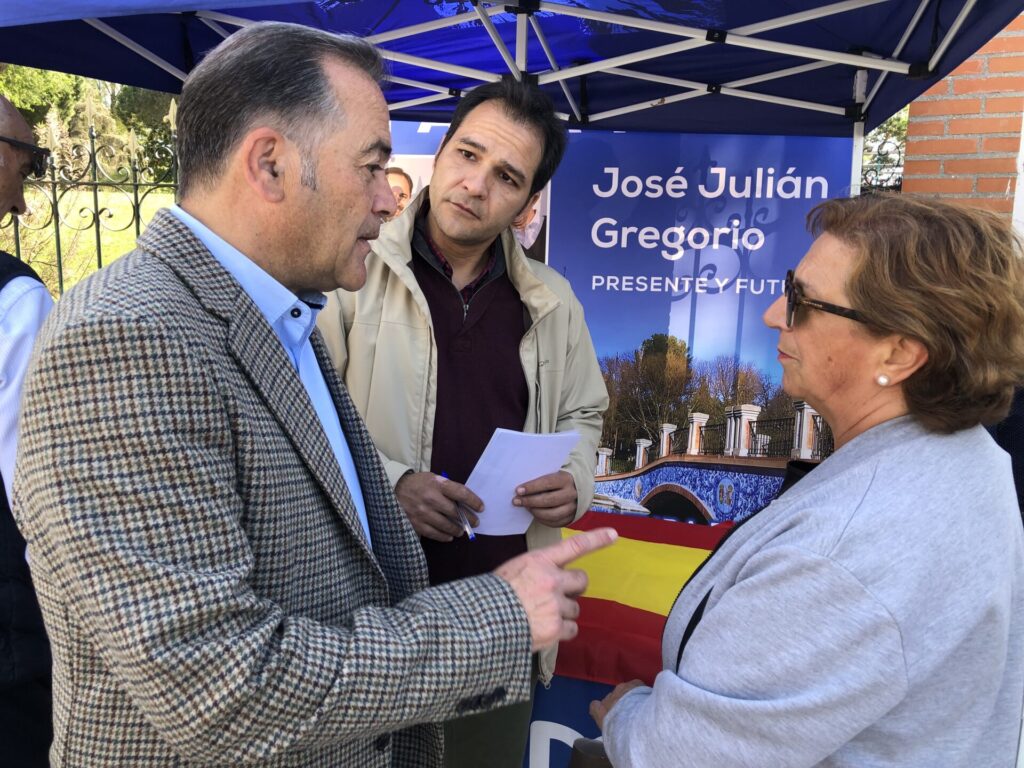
204 578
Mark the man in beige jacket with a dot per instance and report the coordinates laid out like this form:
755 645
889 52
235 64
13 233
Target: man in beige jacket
457 333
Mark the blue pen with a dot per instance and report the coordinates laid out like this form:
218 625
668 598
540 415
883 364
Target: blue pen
462 515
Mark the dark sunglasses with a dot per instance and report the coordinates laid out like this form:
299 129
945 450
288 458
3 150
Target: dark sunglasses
795 298
38 155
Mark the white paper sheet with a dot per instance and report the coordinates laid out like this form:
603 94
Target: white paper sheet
509 460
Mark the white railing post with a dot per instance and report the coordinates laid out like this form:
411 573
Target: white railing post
642 444
803 431
666 438
604 456
746 414
697 422
732 422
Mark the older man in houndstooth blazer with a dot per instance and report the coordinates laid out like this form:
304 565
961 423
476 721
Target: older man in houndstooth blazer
210 590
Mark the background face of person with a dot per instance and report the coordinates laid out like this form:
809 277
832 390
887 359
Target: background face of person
15 164
334 223
482 176
827 360
401 190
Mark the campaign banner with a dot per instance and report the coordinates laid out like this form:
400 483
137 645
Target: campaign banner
687 234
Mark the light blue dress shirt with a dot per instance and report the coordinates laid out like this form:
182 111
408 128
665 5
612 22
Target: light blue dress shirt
293 320
24 304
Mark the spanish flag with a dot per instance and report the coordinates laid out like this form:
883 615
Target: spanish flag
633 585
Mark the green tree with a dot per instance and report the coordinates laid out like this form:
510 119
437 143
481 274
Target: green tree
148 114
34 91
884 151
142 109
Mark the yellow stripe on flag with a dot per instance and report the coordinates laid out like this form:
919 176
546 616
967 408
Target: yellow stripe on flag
639 574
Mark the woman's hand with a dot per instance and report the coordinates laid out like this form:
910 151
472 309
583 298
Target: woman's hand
599 709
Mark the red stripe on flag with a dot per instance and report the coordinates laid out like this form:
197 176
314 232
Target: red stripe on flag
616 643
654 530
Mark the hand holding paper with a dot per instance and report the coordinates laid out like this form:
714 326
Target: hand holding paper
509 462
551 499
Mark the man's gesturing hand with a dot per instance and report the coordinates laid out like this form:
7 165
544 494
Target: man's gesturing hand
430 502
547 590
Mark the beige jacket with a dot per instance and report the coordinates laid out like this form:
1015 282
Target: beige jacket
382 342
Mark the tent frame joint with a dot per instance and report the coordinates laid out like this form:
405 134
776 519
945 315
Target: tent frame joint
920 70
856 113
714 88
524 7
717 35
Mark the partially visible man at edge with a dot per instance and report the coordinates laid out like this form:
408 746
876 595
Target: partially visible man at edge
401 186
457 333
224 571
25 710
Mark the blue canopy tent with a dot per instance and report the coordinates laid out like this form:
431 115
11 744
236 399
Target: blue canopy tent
723 66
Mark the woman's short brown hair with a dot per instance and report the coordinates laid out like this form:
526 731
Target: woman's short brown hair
951 277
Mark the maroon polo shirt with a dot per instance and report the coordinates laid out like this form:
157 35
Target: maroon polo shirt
480 387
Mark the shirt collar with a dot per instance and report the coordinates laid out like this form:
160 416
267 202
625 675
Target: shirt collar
429 250
292 317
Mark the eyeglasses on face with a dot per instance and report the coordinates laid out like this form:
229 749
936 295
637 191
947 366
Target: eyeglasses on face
795 298
37 167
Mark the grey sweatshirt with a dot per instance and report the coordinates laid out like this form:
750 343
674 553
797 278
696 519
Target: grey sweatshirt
871 616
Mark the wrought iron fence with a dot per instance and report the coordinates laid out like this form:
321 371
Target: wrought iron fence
882 170
90 207
772 437
712 439
824 440
679 440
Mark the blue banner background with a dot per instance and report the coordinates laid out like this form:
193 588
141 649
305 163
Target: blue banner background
726 319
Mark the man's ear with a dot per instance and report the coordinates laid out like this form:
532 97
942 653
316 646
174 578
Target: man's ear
265 157
905 356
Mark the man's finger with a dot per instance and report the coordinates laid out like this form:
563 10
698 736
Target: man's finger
546 499
569 631
470 516
574 582
441 522
567 550
430 532
552 482
457 492
569 608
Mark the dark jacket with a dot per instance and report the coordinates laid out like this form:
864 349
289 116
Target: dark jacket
24 649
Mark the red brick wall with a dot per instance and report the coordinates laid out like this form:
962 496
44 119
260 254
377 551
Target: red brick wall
964 133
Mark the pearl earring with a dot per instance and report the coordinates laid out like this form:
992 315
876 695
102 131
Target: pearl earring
882 380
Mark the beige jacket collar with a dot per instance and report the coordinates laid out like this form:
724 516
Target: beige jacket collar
395 250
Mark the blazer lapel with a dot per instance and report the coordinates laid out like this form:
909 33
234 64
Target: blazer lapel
258 352
396 545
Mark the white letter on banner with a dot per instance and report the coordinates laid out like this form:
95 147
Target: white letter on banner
676 185
753 239
632 186
613 238
721 183
654 187
789 185
542 733
822 184
615 183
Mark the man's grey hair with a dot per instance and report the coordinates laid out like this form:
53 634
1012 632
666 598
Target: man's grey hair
268 73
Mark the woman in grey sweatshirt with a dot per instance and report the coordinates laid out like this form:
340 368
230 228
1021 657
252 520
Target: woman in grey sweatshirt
873 615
